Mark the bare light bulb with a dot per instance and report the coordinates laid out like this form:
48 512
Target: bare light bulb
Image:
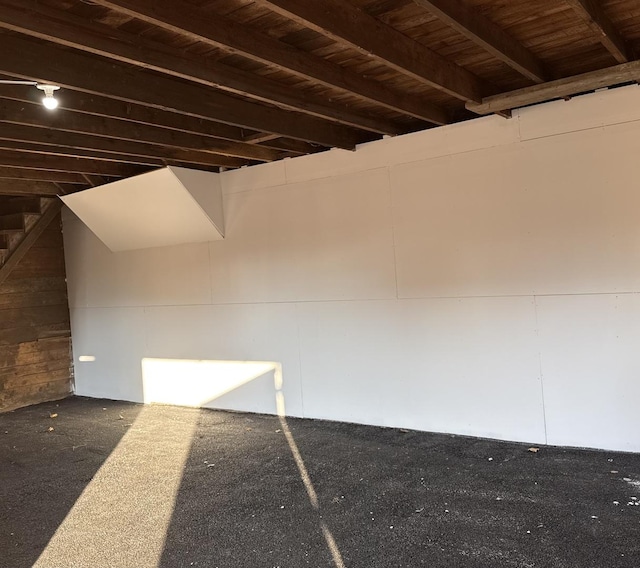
49 101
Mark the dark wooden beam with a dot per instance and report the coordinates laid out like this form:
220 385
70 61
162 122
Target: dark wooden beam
27 58
138 139
26 187
48 149
23 160
165 127
66 29
11 173
345 23
261 137
94 180
32 148
617 75
95 105
30 115
224 33
592 13
67 188
293 146
53 210
472 24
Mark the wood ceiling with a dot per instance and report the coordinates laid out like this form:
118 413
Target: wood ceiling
226 83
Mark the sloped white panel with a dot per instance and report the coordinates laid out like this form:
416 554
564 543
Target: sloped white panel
170 206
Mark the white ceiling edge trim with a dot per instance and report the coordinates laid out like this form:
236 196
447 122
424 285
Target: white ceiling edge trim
165 207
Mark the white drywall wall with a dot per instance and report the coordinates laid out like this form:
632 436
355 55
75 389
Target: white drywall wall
481 278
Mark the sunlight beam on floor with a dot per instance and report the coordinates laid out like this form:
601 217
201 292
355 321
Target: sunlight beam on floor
122 516
304 473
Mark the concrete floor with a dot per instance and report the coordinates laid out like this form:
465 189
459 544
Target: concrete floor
94 483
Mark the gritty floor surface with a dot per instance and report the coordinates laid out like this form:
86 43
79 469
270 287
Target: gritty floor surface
98 484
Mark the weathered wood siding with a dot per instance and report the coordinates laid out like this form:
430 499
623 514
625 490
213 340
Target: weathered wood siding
35 337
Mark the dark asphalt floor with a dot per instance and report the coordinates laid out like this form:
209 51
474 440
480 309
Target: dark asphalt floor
168 487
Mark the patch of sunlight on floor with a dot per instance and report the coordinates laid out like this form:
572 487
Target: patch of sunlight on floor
122 516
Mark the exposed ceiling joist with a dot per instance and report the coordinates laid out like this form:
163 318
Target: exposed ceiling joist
61 139
111 134
224 33
15 159
48 63
107 133
617 75
293 146
164 126
346 23
593 14
26 187
94 180
77 148
32 149
472 24
10 173
65 29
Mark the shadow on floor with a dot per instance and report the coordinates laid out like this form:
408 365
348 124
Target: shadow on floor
388 497
43 471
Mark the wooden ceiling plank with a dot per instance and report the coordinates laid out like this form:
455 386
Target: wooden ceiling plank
26 187
343 22
13 159
27 58
616 75
224 33
472 24
66 29
592 13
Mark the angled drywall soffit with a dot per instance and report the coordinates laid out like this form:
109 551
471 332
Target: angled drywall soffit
165 207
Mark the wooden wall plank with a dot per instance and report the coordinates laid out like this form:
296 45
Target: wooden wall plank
35 336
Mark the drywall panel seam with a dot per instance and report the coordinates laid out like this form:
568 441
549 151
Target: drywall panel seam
393 230
568 132
539 350
329 300
303 413
209 274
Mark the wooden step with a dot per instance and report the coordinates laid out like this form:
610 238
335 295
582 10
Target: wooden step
12 223
21 205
